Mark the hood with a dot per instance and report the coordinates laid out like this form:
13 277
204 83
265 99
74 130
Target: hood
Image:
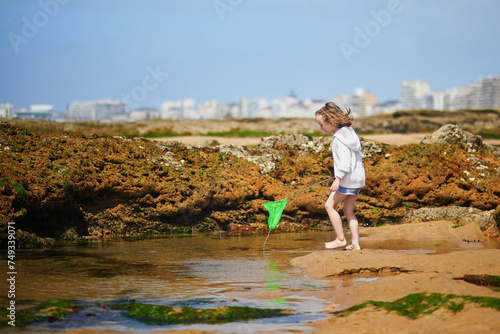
347 136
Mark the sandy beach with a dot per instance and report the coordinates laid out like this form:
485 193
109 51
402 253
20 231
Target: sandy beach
394 274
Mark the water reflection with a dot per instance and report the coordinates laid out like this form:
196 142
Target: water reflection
199 271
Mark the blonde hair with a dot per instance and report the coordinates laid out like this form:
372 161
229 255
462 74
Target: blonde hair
332 114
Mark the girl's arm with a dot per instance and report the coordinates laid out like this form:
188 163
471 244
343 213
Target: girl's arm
335 184
341 159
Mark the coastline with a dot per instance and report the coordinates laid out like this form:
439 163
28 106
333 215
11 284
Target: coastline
446 193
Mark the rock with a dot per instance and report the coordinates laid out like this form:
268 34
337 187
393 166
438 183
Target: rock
441 213
453 134
271 149
461 215
78 186
371 148
299 142
288 141
266 161
238 151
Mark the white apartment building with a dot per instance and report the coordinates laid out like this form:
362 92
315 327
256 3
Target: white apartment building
388 107
286 107
452 99
311 106
481 94
361 102
36 111
143 113
6 110
179 109
485 93
209 110
260 108
416 95
100 110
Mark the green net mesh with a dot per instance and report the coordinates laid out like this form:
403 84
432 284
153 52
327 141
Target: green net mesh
275 210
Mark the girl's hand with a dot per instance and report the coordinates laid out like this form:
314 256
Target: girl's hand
335 184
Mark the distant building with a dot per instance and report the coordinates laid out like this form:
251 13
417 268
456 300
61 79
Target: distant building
485 93
100 110
388 107
259 108
143 114
311 106
361 102
6 110
242 110
286 107
182 109
416 95
209 110
35 112
452 99
481 94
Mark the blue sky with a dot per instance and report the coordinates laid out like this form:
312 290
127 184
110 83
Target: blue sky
148 51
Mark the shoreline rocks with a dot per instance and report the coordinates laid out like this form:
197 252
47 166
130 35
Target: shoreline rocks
77 186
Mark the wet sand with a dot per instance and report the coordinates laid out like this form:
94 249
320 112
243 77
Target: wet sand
397 273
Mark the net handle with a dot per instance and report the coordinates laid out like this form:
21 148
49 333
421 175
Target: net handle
331 178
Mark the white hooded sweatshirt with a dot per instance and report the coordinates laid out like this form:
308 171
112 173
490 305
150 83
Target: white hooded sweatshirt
347 161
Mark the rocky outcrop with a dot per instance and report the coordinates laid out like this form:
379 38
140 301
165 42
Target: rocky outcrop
487 220
271 149
73 186
452 134
426 121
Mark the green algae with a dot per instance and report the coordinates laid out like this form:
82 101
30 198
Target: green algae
419 304
48 310
21 192
166 315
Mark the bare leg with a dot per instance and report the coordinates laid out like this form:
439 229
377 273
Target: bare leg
349 203
330 205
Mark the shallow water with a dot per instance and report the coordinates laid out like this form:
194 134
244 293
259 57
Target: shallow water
197 271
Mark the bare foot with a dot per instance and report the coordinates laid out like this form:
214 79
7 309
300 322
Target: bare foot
335 244
353 247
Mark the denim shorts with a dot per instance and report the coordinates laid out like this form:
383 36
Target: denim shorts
349 191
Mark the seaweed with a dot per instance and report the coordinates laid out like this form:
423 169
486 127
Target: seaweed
416 305
51 310
167 315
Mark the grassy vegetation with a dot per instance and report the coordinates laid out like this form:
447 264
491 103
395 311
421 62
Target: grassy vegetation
167 315
420 304
490 134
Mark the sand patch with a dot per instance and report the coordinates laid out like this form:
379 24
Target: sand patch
438 236
388 275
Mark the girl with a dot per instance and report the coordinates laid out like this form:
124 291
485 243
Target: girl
348 170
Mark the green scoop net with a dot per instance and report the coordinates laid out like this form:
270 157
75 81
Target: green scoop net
276 208
275 211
